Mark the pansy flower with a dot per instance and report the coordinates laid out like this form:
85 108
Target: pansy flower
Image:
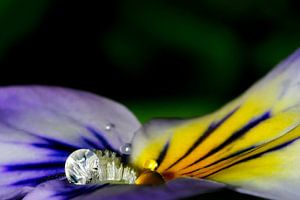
250 145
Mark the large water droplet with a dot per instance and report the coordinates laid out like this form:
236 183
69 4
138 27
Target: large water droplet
81 166
98 167
126 149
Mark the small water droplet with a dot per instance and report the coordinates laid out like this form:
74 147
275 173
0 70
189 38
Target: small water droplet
109 126
150 164
126 149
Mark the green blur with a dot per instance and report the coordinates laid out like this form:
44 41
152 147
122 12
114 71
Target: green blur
202 31
17 20
146 110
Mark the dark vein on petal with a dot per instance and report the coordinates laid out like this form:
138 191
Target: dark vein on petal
213 126
104 143
235 136
284 145
225 158
35 166
55 145
37 180
49 143
162 154
91 143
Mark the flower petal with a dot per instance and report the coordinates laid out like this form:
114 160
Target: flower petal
180 188
41 126
251 143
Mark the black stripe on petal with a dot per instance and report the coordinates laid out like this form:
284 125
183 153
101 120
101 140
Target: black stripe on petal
46 142
213 126
54 145
103 142
284 145
225 158
37 180
162 154
236 135
91 143
35 166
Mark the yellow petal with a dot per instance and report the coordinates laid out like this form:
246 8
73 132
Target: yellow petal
250 143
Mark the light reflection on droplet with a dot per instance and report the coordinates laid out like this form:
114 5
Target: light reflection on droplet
109 126
86 166
150 164
80 166
126 149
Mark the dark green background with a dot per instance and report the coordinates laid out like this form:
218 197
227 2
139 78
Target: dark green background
160 58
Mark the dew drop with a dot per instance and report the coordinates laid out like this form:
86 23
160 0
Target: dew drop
149 178
80 166
126 149
109 126
86 166
150 164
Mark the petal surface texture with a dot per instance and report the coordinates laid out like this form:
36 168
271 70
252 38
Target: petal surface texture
251 143
41 126
179 188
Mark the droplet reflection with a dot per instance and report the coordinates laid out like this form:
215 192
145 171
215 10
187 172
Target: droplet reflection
109 126
126 149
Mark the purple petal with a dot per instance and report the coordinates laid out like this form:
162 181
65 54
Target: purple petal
41 126
179 188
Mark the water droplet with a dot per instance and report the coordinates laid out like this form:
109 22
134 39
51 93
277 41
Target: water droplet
126 149
109 126
148 177
85 166
80 166
150 164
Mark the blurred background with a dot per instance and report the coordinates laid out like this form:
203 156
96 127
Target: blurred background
160 58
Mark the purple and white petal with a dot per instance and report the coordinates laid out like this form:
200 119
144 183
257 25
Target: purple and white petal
41 126
176 189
